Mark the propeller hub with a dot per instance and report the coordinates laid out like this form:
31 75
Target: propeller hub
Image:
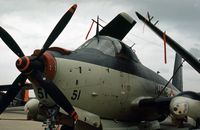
23 64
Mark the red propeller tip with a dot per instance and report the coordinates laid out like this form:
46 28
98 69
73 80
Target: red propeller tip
74 115
73 8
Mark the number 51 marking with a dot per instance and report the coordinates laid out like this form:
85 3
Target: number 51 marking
76 94
42 93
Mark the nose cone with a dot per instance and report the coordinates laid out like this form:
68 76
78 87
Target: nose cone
23 64
179 107
19 62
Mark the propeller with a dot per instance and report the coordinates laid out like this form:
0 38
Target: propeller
33 67
12 92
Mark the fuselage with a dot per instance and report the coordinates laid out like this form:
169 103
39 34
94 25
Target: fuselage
105 77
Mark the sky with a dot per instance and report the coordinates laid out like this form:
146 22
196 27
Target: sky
31 21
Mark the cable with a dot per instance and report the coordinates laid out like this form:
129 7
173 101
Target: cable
170 79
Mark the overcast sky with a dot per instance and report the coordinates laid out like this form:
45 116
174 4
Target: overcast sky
31 21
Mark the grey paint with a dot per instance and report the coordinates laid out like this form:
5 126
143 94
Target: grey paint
104 91
178 76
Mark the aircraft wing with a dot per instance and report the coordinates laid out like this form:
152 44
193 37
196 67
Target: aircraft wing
184 53
119 26
160 104
152 108
183 105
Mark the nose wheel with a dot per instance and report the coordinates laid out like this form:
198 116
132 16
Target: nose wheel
50 123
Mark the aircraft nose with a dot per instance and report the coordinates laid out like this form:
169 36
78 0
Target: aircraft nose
23 64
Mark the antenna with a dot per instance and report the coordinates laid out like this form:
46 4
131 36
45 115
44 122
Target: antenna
99 23
149 17
170 79
132 45
102 20
156 22
94 21
97 29
89 30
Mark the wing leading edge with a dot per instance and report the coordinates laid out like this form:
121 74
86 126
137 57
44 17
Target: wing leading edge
184 53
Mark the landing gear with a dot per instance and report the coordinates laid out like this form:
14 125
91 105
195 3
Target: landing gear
179 123
50 123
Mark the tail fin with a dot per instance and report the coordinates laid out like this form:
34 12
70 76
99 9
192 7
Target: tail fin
178 77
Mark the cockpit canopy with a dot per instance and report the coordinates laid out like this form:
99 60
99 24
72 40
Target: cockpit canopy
110 46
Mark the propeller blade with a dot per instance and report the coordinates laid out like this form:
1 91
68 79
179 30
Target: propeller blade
12 92
54 93
27 86
5 87
58 28
194 62
10 42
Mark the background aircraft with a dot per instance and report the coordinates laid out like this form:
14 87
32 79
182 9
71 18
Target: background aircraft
21 98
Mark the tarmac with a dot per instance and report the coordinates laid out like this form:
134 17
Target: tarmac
16 120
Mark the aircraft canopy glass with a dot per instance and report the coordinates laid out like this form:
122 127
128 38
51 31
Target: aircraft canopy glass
107 45
110 46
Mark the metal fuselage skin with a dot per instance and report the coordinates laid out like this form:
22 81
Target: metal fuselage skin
104 85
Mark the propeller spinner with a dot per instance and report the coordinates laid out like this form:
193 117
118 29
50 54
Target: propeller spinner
33 67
